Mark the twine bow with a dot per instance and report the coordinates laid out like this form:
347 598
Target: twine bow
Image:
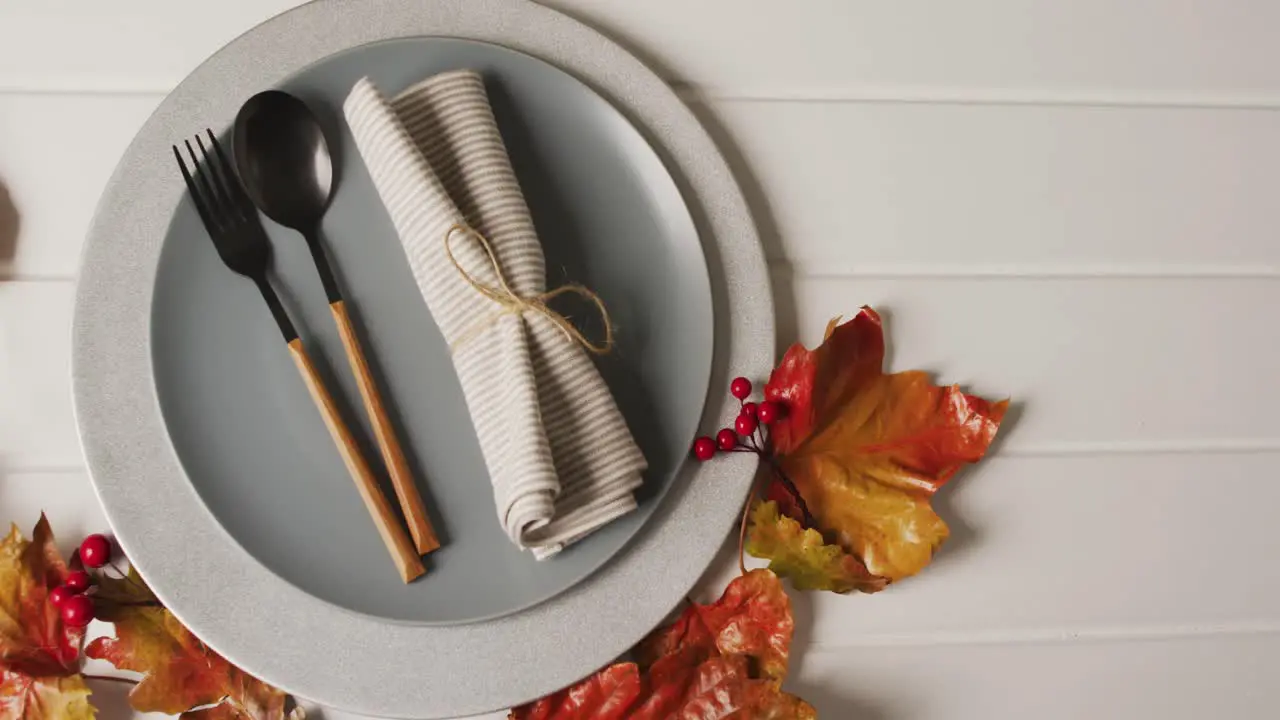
511 303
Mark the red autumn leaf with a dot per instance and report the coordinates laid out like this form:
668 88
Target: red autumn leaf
752 618
39 654
33 638
179 671
722 688
867 450
604 696
723 661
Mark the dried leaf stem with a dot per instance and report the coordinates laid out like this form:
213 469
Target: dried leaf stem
809 520
108 678
742 529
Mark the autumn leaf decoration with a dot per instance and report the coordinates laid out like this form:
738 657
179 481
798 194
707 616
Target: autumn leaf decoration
854 456
723 660
857 455
179 672
39 654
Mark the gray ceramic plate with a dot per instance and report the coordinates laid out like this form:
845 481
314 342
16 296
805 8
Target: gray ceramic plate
214 471
245 429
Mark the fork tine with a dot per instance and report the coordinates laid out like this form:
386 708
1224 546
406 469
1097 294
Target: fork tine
211 199
237 194
201 208
218 178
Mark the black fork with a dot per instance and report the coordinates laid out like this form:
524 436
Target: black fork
232 221
233 224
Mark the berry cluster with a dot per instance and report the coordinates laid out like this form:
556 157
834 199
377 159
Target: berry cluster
74 598
746 435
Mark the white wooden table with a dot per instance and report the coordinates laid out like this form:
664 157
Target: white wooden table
1074 203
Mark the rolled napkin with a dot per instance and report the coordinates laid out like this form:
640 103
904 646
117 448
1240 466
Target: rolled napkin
560 456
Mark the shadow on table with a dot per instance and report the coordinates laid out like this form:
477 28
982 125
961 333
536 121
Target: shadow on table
830 701
833 702
8 226
111 698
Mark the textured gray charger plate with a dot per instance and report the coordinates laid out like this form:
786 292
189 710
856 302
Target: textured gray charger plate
303 639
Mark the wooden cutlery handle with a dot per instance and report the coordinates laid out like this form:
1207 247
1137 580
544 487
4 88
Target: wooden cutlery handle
415 512
393 536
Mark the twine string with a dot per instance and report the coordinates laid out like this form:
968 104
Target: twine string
511 303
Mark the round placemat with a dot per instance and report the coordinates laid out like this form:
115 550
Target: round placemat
267 625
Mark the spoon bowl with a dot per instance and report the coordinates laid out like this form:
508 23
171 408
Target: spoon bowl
284 160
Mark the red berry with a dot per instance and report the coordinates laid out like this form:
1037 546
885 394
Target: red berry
704 448
749 409
60 594
95 551
77 610
740 388
745 424
726 439
770 412
78 581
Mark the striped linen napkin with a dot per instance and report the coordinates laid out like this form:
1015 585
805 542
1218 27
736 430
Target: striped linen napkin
560 456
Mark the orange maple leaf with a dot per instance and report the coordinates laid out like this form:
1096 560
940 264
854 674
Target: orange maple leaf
866 451
723 661
39 654
180 672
